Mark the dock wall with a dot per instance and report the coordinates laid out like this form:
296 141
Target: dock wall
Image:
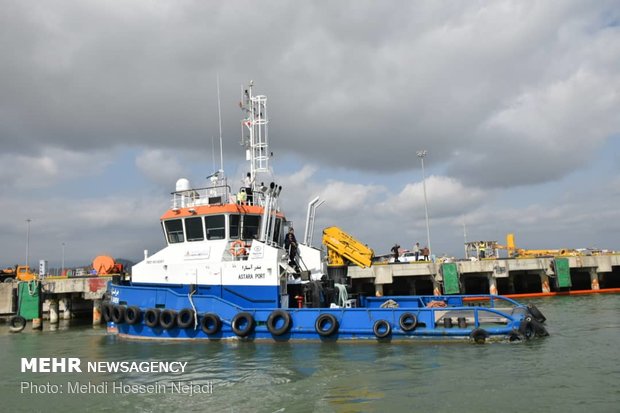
495 276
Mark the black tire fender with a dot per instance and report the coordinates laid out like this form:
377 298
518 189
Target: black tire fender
118 314
17 323
382 329
210 323
273 319
185 318
151 317
238 319
408 322
133 315
167 319
479 335
536 314
526 328
324 320
106 311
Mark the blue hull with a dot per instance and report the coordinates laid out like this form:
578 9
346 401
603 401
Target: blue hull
498 317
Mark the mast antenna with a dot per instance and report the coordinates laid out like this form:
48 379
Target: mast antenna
219 111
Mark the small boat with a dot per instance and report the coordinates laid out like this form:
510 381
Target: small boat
232 268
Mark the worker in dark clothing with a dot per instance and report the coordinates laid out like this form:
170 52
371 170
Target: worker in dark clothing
395 252
290 244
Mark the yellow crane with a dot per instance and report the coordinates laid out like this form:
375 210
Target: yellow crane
343 248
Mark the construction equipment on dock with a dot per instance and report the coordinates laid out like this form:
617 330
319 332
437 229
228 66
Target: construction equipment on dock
106 265
18 272
343 247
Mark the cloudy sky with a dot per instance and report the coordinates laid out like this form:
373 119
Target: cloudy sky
105 104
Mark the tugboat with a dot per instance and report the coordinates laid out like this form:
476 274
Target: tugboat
232 268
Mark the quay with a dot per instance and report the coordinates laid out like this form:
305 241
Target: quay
54 299
509 276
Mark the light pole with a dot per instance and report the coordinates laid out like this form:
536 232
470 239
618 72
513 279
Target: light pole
421 154
62 271
28 221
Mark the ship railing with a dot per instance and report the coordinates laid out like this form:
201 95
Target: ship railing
213 195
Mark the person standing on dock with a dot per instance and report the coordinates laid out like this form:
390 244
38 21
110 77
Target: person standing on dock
425 253
395 251
416 250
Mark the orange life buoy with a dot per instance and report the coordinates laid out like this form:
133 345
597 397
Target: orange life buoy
237 248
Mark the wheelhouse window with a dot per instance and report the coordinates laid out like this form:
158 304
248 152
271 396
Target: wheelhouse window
276 230
174 231
234 222
193 227
251 224
216 226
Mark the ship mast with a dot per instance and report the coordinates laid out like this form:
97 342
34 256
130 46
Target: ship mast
254 132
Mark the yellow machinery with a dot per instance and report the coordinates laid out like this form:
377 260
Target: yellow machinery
343 248
19 273
515 252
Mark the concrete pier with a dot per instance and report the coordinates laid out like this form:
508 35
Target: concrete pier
96 312
62 298
491 276
53 311
65 307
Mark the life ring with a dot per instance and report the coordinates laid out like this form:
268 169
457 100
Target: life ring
185 318
243 324
118 314
106 311
210 323
272 322
168 318
479 335
133 315
526 328
237 248
535 312
382 329
151 317
408 322
17 323
326 325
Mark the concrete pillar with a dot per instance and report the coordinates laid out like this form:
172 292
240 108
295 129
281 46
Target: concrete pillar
492 285
436 287
511 285
66 306
53 304
379 290
544 282
96 312
594 284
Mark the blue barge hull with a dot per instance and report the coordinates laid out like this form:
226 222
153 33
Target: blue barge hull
186 312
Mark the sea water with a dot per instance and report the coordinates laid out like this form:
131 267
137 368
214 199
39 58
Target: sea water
575 369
